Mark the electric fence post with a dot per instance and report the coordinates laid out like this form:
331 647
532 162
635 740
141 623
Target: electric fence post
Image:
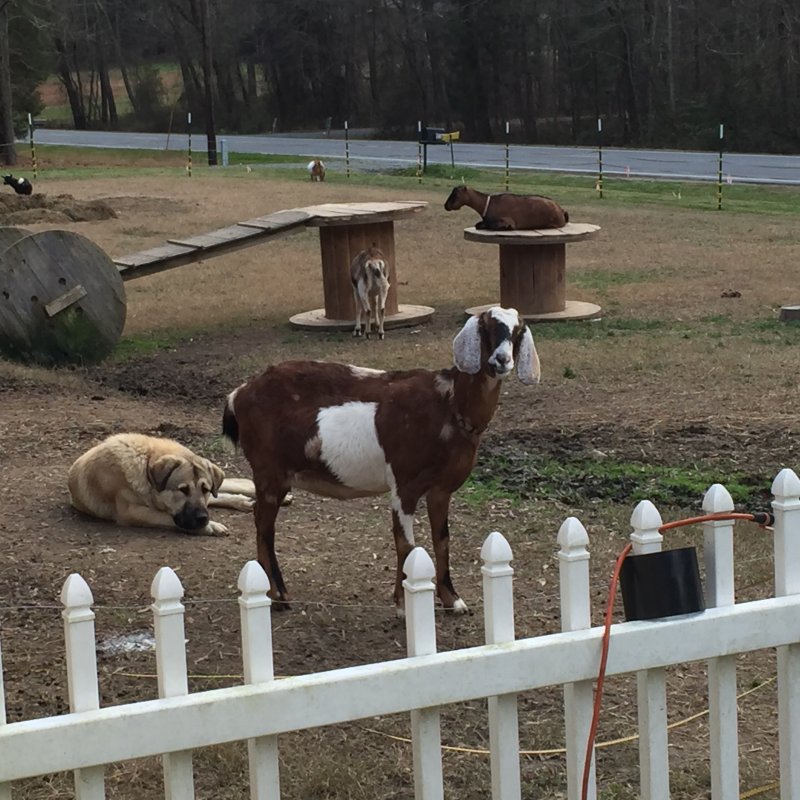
419 151
189 131
719 170
600 156
507 130
33 147
347 150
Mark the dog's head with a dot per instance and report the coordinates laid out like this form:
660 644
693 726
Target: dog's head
182 487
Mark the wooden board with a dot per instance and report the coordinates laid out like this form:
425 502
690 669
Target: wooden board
179 252
44 270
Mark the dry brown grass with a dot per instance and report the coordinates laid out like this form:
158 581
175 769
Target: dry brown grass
677 356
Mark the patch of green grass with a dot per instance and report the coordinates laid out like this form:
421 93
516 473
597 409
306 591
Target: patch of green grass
602 279
131 347
602 328
526 476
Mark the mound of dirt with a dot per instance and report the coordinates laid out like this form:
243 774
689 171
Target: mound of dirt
19 210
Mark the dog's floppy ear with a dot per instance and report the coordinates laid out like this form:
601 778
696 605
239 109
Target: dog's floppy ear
217 476
159 471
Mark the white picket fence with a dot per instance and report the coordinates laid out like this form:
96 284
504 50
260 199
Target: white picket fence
259 711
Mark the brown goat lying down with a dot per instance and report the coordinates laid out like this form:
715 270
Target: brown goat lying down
344 431
509 212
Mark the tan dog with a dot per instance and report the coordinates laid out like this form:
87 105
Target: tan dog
133 479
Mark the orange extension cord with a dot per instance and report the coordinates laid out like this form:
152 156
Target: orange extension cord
762 518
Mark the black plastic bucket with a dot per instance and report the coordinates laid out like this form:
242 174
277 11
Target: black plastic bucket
662 584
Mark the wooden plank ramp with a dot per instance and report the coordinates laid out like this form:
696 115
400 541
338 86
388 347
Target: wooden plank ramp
178 252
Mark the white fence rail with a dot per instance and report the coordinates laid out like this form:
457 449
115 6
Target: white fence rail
178 722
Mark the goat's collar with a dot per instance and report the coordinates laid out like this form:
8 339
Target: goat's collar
486 207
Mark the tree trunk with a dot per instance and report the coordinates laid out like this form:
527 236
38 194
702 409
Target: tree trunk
74 94
208 88
8 152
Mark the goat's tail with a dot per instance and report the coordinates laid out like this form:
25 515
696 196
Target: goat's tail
230 427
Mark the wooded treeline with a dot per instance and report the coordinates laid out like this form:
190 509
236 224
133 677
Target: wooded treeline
658 72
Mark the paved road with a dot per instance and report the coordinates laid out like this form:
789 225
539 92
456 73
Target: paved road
368 153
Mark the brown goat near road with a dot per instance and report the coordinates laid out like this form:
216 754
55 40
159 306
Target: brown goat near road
509 212
369 273
344 431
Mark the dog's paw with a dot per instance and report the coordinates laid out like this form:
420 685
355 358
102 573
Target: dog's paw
215 529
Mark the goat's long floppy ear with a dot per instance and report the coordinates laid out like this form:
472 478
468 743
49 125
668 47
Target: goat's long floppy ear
467 347
528 367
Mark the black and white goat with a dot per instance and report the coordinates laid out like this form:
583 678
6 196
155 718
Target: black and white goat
316 170
345 432
19 185
369 274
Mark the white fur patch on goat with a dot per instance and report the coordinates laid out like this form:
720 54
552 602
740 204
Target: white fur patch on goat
366 372
406 520
231 398
350 447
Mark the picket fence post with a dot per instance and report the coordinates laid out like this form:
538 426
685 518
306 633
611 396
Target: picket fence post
421 641
498 620
576 614
786 505
255 614
81 648
651 685
5 788
723 718
167 591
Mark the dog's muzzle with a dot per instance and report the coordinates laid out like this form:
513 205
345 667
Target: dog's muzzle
191 518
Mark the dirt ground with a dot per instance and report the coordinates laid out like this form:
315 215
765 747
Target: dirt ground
688 375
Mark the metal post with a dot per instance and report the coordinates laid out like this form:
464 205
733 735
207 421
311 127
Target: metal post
719 170
600 156
189 131
507 130
223 148
33 148
419 151
346 150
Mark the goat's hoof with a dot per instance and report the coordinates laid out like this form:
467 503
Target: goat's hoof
459 607
356 333
380 336
287 501
400 611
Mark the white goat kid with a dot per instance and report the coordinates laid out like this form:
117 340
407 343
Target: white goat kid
369 273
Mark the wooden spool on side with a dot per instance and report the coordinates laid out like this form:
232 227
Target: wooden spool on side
62 300
9 235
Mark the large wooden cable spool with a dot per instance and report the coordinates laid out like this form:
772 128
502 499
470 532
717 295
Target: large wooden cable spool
62 300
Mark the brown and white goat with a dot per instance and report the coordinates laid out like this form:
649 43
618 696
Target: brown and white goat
316 170
509 212
369 274
344 431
